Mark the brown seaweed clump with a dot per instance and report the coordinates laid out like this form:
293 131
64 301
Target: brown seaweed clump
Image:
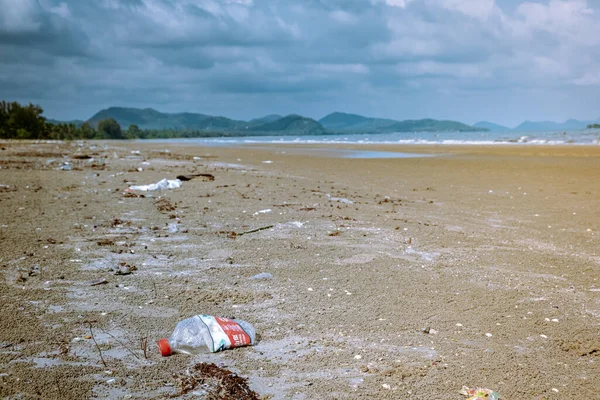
219 383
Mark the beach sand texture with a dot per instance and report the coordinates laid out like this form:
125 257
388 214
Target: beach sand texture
391 278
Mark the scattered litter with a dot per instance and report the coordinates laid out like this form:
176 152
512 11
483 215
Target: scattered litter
97 282
357 357
339 199
268 210
263 275
267 162
207 177
105 242
66 167
386 386
160 185
224 333
125 269
488 334
480 394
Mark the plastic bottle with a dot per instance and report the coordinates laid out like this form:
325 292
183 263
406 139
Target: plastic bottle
193 335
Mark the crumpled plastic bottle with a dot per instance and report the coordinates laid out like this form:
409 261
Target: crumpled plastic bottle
200 332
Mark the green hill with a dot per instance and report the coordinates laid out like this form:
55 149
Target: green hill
149 118
492 127
297 124
353 123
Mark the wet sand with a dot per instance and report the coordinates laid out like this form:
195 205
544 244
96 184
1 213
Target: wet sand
492 250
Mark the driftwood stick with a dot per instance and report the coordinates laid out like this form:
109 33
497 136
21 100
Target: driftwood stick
256 230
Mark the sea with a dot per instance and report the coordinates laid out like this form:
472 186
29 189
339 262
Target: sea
574 137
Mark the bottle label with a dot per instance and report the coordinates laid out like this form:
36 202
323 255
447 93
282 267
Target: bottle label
225 333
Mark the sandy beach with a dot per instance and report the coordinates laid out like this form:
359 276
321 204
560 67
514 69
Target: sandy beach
392 278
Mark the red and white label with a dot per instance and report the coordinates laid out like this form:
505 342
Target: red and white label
237 336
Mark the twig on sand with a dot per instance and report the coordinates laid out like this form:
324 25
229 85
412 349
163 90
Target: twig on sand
121 343
255 230
98 347
144 347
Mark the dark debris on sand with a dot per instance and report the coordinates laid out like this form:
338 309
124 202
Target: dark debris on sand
219 383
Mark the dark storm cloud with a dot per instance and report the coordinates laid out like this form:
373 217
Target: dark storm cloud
243 57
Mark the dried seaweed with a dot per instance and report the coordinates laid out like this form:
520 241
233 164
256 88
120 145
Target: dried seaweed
164 205
219 383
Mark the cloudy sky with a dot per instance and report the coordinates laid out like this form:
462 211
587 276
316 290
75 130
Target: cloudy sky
468 60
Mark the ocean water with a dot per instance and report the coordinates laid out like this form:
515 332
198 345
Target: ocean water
576 137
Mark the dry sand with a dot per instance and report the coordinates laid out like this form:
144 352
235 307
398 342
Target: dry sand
494 251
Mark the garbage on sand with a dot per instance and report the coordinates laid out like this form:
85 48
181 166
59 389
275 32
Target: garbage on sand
194 334
206 177
160 185
263 275
339 199
480 394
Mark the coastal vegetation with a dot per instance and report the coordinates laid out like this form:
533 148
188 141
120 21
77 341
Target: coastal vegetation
593 126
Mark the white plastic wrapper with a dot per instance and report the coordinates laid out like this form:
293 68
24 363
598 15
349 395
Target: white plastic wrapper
160 185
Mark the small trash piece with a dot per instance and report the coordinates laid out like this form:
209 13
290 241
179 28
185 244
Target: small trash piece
160 185
97 282
268 210
125 269
263 275
339 199
480 394
185 178
206 331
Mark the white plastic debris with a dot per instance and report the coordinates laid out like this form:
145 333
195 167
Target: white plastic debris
263 211
339 199
263 275
160 185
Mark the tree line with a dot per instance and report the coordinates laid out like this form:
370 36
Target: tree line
27 122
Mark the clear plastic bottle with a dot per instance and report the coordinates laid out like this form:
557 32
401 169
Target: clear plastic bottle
200 332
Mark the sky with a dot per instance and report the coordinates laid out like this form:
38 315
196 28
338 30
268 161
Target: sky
503 61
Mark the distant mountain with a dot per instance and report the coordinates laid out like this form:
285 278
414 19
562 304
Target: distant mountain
532 126
266 118
75 122
339 121
149 118
490 126
342 122
292 123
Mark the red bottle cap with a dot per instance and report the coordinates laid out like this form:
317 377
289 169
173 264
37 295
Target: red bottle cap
164 347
